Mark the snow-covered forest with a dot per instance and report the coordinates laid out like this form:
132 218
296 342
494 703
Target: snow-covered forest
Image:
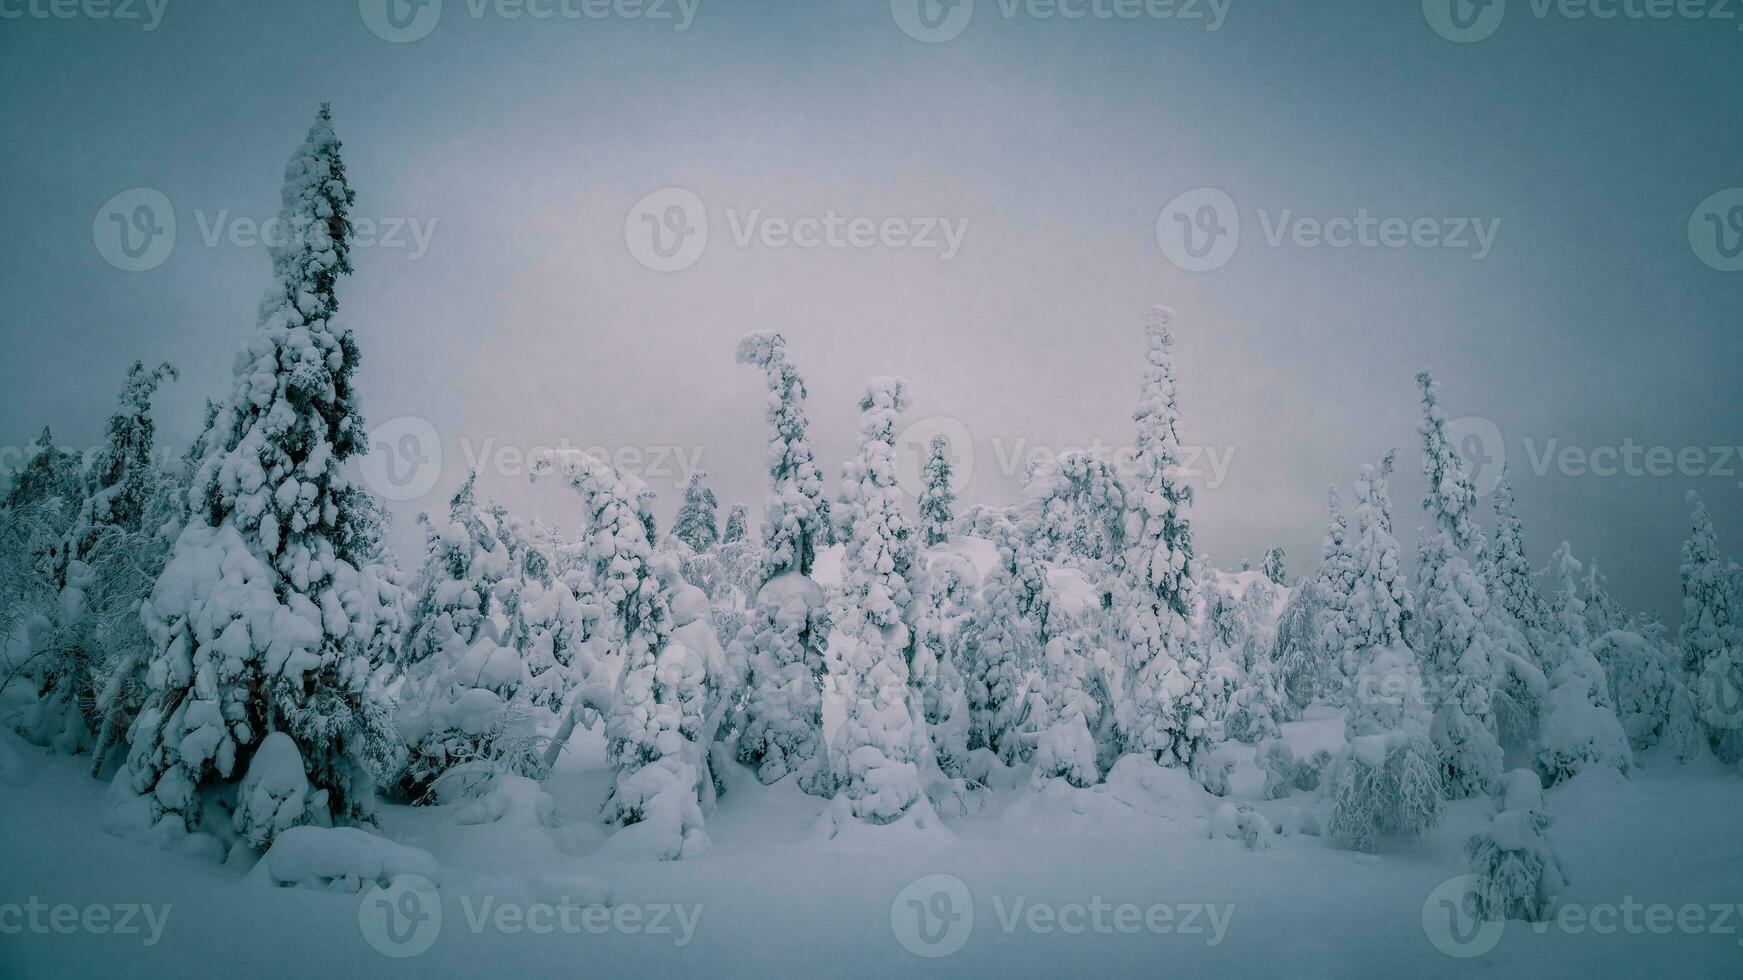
842 729
982 488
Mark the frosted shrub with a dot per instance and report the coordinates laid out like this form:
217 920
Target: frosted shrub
1518 875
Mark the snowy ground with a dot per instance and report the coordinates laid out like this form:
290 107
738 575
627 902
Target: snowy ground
773 898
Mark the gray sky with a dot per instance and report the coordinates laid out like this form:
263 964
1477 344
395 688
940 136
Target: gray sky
521 147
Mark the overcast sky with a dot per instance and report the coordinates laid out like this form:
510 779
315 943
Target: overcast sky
1551 176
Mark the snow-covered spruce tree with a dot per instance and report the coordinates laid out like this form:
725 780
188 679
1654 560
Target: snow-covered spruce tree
878 750
1644 668
695 524
1518 875
737 525
1712 634
1066 711
937 500
1005 634
464 560
1451 629
1079 505
945 607
780 649
505 634
545 621
656 731
1309 644
260 621
1298 654
1336 583
1272 565
114 550
1505 568
1390 781
50 474
1236 640
1162 711
1603 612
1579 727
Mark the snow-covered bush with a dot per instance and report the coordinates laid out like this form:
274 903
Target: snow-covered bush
1517 874
93 646
946 599
1390 781
656 734
1579 727
1389 784
1712 634
1005 637
1643 669
464 561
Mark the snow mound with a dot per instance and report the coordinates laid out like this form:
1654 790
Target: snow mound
12 771
338 859
1154 790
